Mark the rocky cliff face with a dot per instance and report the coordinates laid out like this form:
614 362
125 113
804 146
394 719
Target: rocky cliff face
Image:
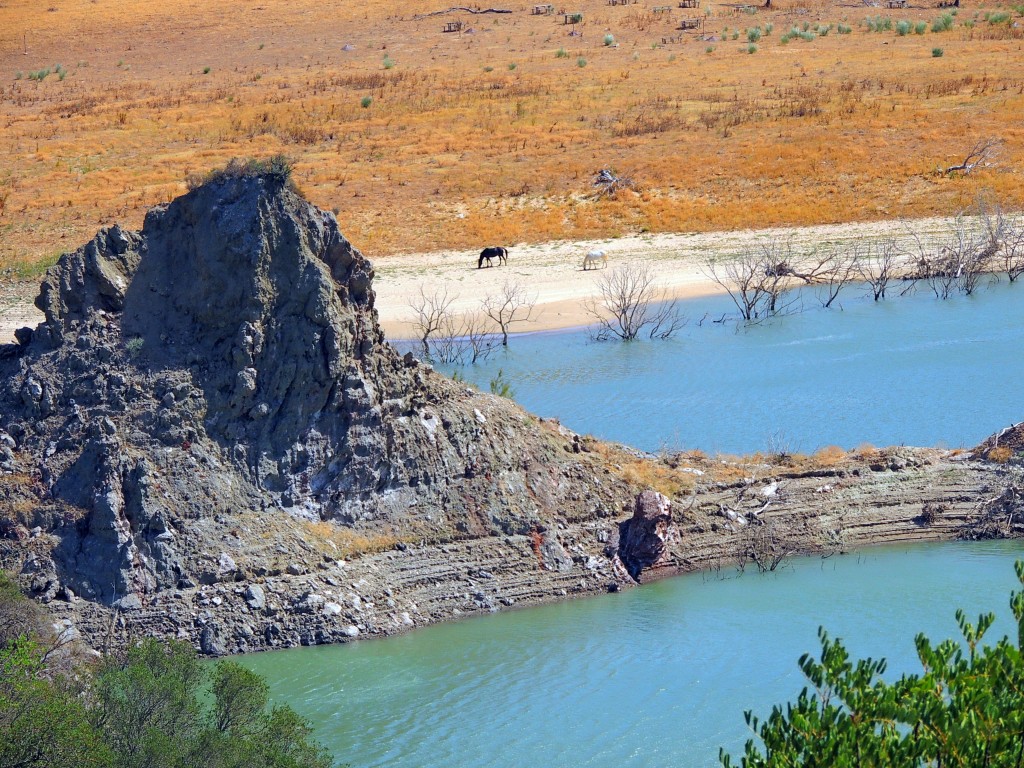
225 364
209 438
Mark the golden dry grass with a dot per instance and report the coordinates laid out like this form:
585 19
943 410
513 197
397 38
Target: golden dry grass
1000 454
458 148
340 541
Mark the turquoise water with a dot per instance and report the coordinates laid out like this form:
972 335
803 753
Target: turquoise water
912 370
657 676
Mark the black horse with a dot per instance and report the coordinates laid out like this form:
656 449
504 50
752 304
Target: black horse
497 252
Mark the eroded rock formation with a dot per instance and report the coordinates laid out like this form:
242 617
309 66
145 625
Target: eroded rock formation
209 438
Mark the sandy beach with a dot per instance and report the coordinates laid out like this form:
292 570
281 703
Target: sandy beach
553 272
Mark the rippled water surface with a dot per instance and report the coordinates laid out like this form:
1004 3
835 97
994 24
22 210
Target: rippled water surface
913 370
657 676
661 675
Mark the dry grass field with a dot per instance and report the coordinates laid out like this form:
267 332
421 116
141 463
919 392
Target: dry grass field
422 140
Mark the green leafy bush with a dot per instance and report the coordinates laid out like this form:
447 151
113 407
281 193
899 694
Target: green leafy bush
965 709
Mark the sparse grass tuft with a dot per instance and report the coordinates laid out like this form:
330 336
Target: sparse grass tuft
561 53
277 168
581 62
1000 454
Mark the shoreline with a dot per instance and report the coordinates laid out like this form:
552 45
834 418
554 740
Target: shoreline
863 501
552 271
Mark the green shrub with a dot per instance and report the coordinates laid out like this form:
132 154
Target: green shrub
964 708
999 18
389 63
902 28
512 66
18 75
920 28
709 49
609 40
753 35
751 48
561 53
937 53
581 62
843 29
501 386
488 69
943 24
365 102
768 28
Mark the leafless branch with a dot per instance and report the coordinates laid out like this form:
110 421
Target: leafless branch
432 314
629 304
513 304
983 154
877 264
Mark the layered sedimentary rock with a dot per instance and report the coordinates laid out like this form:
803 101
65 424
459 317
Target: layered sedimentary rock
210 438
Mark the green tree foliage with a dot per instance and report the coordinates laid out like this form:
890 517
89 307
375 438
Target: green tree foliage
153 706
964 710
43 723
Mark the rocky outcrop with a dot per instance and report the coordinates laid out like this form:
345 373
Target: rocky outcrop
209 438
645 539
219 379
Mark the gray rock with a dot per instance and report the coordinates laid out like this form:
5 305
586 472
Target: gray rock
255 597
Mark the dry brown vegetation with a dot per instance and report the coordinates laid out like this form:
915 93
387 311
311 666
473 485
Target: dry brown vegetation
339 541
423 140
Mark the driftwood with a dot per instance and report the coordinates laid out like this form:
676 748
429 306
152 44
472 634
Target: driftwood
983 154
462 9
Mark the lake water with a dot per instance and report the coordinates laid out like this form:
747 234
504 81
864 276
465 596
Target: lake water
654 677
660 676
912 370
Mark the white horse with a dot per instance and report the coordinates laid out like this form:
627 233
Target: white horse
592 258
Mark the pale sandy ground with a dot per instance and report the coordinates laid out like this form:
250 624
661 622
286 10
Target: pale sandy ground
553 271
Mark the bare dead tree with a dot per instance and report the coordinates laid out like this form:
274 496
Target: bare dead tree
479 340
877 265
983 154
629 303
462 339
960 261
1013 246
513 304
744 280
432 314
832 270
